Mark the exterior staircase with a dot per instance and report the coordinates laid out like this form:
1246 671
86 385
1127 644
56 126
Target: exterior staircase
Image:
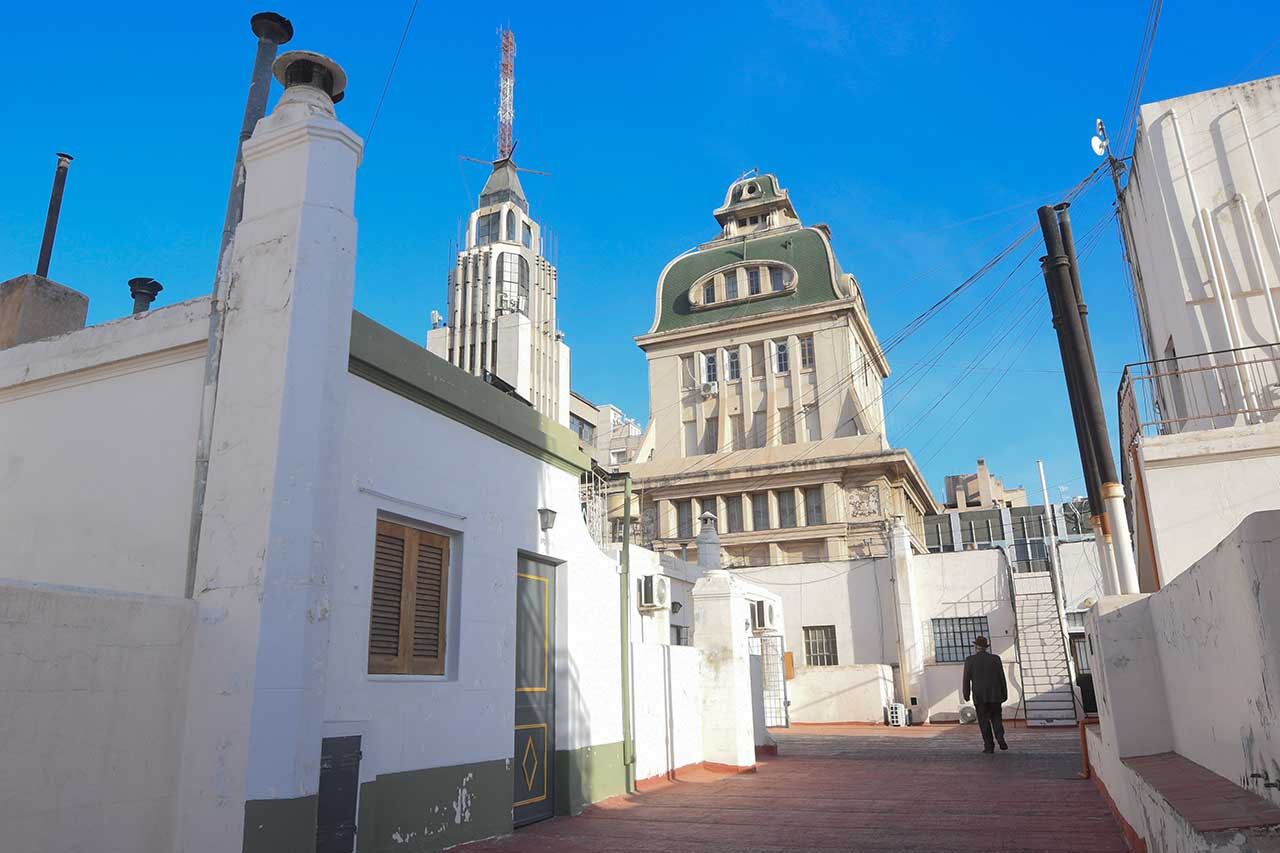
1048 696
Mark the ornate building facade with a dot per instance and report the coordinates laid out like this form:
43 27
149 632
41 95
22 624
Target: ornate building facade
765 390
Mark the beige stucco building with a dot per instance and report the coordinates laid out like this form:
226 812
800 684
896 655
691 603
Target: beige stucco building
765 397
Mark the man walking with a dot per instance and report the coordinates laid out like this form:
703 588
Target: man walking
984 678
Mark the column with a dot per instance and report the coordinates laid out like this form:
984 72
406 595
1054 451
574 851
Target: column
720 614
254 709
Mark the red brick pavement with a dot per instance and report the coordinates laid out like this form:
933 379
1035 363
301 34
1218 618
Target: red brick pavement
842 788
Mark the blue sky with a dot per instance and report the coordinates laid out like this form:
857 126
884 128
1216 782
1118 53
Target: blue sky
925 137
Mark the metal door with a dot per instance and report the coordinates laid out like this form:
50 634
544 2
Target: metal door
339 785
535 692
773 681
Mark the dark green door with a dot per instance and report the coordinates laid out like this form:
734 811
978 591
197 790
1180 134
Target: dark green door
535 748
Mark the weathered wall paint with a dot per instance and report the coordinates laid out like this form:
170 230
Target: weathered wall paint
92 688
588 775
841 694
423 810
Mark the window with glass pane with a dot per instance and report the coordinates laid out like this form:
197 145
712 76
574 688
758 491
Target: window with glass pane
528 236
486 229
708 293
786 508
733 513
1075 619
753 281
511 226
760 511
757 359
806 352
711 436
953 637
820 645
813 506
731 284
709 375
684 519
777 279
783 357
731 367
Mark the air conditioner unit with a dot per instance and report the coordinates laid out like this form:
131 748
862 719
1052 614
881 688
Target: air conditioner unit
968 714
762 616
898 715
652 592
710 389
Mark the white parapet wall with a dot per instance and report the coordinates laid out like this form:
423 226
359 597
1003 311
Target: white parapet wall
92 688
668 708
840 694
1192 669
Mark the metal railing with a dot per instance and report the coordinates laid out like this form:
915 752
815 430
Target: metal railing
1194 393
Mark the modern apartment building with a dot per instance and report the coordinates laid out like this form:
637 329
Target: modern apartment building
765 397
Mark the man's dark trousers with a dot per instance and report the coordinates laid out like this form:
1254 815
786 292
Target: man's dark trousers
989 720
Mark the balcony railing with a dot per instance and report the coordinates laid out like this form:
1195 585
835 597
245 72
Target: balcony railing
1195 393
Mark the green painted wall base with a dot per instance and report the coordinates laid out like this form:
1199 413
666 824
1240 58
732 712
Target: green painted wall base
421 810
588 775
287 826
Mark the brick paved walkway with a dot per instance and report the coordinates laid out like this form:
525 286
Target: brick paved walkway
857 788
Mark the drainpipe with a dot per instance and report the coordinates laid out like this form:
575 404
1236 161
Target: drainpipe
1256 250
624 613
1266 208
272 31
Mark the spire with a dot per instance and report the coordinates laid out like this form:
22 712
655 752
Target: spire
503 185
506 93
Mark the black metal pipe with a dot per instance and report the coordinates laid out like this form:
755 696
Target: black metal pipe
1084 440
272 31
51 218
143 290
1069 244
1057 270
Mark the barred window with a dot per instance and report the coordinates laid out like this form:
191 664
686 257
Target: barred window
953 637
820 645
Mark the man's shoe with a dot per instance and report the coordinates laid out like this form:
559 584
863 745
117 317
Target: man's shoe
1004 745
988 750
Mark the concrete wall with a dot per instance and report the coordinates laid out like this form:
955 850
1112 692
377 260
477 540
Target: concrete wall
1201 485
1168 241
668 708
844 694
1081 574
97 452
91 698
465 717
1218 632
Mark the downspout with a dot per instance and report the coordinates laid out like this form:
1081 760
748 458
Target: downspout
1271 221
624 615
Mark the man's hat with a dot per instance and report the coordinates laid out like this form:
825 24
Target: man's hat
980 641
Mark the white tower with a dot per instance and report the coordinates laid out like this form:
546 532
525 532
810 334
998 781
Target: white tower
501 322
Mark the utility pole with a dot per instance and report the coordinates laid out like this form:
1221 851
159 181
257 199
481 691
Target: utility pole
1054 564
1060 276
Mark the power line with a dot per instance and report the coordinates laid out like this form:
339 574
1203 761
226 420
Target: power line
390 73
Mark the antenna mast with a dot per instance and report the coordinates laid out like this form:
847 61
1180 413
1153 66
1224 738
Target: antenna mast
506 92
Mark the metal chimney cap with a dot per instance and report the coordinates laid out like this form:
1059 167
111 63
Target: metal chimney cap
304 68
271 27
62 155
144 285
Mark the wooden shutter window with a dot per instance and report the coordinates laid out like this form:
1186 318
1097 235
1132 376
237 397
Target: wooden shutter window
409 602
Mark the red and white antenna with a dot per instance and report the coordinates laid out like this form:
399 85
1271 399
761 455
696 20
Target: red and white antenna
506 93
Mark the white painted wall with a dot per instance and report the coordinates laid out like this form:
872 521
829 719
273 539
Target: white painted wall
846 694
392 465
1201 485
1081 574
97 452
668 708
92 691
1168 240
1217 628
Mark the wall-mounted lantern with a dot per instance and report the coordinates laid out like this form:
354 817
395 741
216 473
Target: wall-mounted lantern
546 518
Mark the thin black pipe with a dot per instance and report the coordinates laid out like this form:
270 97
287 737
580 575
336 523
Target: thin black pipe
51 218
1057 269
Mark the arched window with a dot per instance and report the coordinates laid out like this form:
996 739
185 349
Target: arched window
511 226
